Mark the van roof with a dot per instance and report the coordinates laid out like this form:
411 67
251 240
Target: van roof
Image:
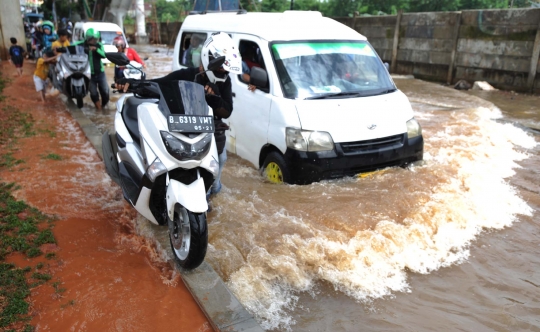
289 25
101 26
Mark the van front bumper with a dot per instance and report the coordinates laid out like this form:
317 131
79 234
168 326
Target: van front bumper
307 167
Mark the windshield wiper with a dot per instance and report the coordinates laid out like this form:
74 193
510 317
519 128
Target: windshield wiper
335 94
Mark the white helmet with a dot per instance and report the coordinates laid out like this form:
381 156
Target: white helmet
220 44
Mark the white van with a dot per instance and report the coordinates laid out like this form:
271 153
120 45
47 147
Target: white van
325 106
108 32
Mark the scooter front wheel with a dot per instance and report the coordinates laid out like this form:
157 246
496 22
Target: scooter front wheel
80 102
188 235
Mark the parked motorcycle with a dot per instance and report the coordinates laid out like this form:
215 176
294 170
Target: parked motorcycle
72 73
163 155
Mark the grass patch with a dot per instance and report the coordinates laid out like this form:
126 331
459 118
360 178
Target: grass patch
15 124
7 160
50 133
41 276
57 288
19 232
69 303
22 228
52 156
3 82
13 291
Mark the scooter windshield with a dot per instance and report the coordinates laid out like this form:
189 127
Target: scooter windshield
184 97
75 50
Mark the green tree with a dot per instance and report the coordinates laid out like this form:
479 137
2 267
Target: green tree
275 5
433 5
172 11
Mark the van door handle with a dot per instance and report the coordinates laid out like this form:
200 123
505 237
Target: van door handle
234 94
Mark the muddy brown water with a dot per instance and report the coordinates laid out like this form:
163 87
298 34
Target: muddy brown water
450 245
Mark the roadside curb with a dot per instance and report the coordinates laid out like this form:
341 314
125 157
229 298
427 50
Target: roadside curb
221 307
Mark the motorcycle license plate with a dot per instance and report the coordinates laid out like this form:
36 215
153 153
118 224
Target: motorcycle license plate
191 123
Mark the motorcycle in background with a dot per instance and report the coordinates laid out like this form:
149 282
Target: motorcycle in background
163 155
72 73
133 70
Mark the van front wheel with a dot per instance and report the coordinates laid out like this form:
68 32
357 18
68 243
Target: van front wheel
275 168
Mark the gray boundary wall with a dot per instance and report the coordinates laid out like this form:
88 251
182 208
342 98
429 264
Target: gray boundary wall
498 46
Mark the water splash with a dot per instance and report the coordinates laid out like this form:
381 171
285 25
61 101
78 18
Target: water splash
362 235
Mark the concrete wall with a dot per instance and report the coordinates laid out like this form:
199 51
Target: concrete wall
488 45
11 25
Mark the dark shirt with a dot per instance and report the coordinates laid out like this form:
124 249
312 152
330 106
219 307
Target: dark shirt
16 52
221 103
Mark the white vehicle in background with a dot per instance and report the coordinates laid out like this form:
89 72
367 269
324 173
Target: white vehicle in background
325 105
108 32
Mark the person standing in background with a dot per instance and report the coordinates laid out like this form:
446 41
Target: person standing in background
17 55
98 81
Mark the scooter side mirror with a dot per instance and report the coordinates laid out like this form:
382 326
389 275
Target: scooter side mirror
117 58
216 63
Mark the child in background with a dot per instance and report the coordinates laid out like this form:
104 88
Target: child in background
62 41
17 55
42 72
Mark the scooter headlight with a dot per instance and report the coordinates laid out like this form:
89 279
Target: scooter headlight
184 151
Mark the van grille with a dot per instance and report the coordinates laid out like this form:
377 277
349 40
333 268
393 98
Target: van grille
373 144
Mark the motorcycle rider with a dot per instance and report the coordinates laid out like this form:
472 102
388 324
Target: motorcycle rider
48 36
217 86
95 52
132 55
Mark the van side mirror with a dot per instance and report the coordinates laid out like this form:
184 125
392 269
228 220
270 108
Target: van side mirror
117 58
387 66
258 77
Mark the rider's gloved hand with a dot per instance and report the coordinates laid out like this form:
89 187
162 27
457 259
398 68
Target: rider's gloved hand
213 98
213 101
123 84
211 89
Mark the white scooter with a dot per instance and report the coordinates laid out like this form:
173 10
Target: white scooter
163 154
133 70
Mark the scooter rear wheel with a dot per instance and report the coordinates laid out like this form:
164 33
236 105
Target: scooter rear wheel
188 235
80 102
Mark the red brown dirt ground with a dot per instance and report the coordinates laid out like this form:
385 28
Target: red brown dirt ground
113 278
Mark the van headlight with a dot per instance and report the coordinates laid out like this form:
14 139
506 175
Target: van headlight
413 128
182 150
305 140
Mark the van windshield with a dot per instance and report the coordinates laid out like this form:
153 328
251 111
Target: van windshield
330 69
107 37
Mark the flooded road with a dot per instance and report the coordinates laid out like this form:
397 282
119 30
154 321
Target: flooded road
449 245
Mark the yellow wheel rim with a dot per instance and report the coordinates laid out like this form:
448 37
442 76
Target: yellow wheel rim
273 173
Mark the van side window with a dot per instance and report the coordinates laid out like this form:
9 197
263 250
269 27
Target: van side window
251 57
190 49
